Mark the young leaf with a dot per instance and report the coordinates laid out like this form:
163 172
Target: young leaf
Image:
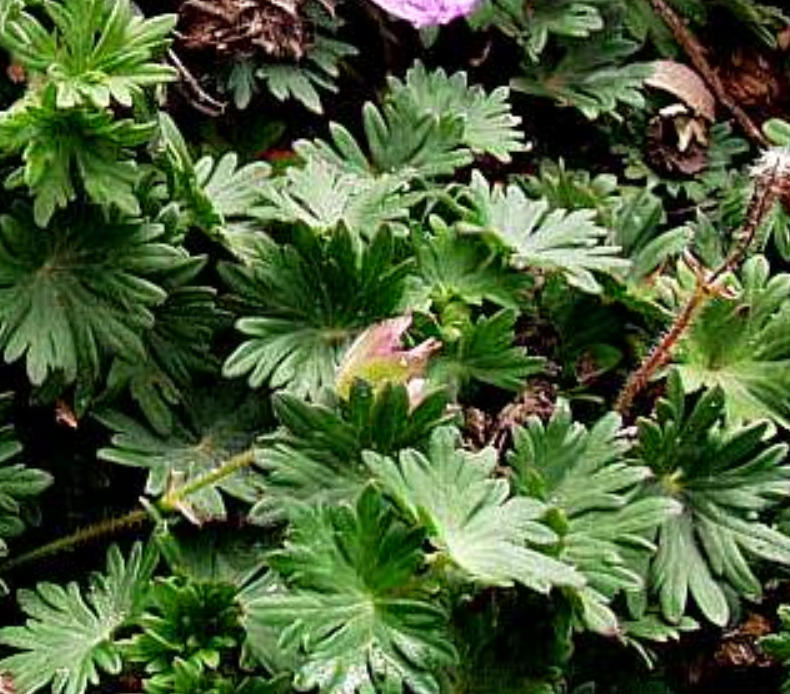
63 150
489 127
69 637
352 606
91 51
777 645
471 517
485 352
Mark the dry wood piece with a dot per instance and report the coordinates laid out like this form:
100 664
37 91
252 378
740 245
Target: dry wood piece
684 84
696 54
239 29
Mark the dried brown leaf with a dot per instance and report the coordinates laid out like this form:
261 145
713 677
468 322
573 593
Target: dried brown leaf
683 83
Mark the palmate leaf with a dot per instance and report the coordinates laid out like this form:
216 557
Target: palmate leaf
456 267
318 70
429 125
93 52
533 25
489 126
593 75
69 636
177 348
777 645
316 455
214 196
217 423
568 242
402 142
726 479
306 301
470 516
585 475
485 352
352 605
742 344
323 196
77 294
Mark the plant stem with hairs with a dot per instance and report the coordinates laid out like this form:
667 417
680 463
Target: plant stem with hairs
769 177
168 503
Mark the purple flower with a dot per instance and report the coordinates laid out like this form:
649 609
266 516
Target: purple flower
423 13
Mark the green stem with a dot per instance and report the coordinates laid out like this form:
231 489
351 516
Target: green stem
168 503
103 528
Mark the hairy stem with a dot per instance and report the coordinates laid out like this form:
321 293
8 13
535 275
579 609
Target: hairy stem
95 531
662 352
766 192
168 503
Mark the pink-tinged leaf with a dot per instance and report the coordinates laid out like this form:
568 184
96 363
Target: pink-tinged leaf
377 357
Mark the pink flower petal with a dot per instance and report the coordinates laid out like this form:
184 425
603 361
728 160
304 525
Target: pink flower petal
423 13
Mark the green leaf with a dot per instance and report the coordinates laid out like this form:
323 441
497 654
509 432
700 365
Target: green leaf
777 645
214 196
568 242
316 456
726 480
489 127
592 75
454 267
583 472
306 301
742 346
91 51
218 422
189 631
74 295
471 517
323 196
64 150
429 126
353 606
177 348
69 637
485 352
19 484
317 70
532 26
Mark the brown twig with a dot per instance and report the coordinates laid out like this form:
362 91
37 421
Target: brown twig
194 93
696 53
662 352
769 177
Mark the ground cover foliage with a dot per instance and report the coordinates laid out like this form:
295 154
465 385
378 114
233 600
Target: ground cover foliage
345 357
